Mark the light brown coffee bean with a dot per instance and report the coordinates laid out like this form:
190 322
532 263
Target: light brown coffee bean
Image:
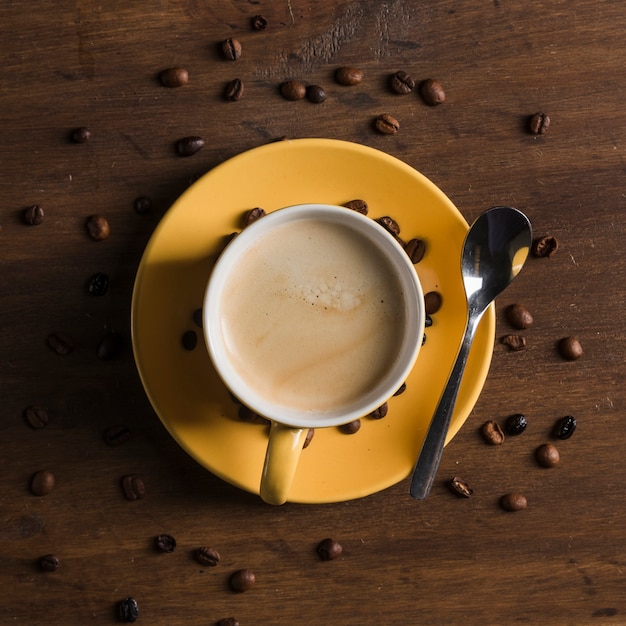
348 76
293 90
416 249
42 483
518 316
360 206
538 123
432 302
234 90
515 343
98 227
401 83
309 437
492 433
386 124
389 224
400 390
242 580
570 348
329 549
460 487
206 556
253 215
231 49
513 502
544 246
351 427
133 487
432 92
547 455
380 412
174 77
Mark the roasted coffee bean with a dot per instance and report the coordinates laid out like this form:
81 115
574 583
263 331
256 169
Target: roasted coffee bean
165 543
189 339
196 316
570 348
518 316
42 483
386 124
116 435
547 455
143 204
233 90
460 487
400 390
228 621
293 90
424 337
389 224
188 146
360 206
492 433
110 346
174 77
380 412
401 83
348 76
544 246
36 416
515 343
258 22
248 415
513 502
231 48
329 549
432 92
351 427
564 427
416 249
98 284
49 563
515 424
208 557
60 343
315 94
242 580
98 227
127 610
133 487
432 302
428 321
33 215
80 135
309 437
253 215
538 123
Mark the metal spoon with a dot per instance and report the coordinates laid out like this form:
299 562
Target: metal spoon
495 249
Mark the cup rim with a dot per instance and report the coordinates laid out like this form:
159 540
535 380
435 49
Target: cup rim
413 327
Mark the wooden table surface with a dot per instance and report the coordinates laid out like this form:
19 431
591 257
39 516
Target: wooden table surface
445 560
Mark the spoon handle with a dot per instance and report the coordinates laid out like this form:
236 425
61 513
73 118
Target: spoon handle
432 448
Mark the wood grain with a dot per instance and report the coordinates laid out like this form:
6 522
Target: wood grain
442 561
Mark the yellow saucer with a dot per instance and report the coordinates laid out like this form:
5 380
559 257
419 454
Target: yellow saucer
182 385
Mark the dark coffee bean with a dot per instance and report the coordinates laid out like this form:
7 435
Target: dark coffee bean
315 94
174 77
165 543
380 412
189 339
492 433
228 621
416 249
197 317
133 487
116 435
293 90
432 92
351 427
49 563
513 502
242 580
33 215
360 206
460 487
42 483
60 343
329 549
428 321
143 204
253 215
515 424
432 302
401 83
309 437
515 343
386 124
231 48
547 455
98 227
188 146
401 389
36 416
544 246
570 348
564 427
127 610
98 284
258 22
389 224
110 346
233 90
80 135
348 76
208 557
538 123
424 337
518 316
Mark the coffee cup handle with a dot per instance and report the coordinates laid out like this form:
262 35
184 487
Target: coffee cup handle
281 460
